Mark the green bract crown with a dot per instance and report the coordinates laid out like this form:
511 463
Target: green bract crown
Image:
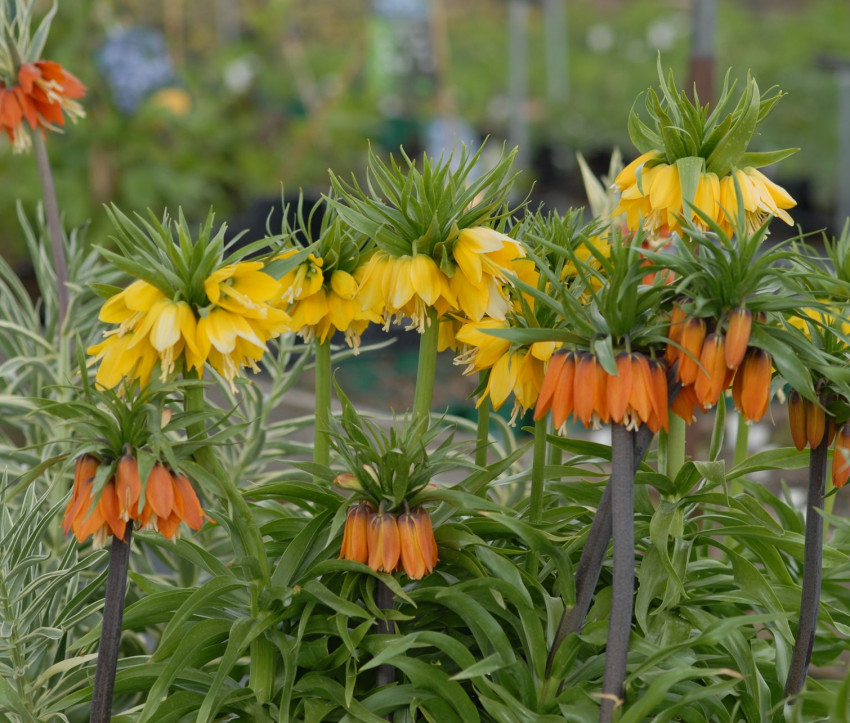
681 128
408 211
18 44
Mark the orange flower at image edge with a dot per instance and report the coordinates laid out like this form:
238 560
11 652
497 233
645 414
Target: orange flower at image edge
44 94
169 499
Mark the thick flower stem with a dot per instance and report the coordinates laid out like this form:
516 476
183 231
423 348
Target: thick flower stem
535 498
482 436
593 556
321 440
110 633
622 600
385 673
812 567
54 227
426 370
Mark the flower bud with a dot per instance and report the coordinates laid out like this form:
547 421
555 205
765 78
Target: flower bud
751 388
712 374
693 336
348 481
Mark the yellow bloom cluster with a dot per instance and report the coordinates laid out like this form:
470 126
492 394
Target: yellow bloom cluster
512 370
486 261
319 306
230 332
652 195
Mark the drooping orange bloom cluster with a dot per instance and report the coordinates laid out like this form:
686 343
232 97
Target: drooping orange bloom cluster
383 540
811 425
809 422
707 362
169 499
44 94
576 383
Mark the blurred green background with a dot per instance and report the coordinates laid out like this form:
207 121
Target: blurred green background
261 95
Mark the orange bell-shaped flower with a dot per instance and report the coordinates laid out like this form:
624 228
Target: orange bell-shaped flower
355 533
841 457
550 383
751 388
709 384
677 322
563 400
815 423
85 469
797 409
738 336
128 486
383 541
417 544
693 336
620 388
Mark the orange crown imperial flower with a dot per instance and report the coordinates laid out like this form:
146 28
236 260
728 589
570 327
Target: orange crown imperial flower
576 383
169 499
44 94
841 457
381 540
751 386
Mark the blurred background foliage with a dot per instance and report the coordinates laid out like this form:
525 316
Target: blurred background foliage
257 94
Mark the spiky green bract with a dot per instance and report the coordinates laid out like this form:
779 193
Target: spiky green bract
18 43
395 464
681 128
165 253
606 305
419 209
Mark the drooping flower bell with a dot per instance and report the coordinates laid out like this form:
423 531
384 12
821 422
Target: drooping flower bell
356 533
751 386
419 553
841 457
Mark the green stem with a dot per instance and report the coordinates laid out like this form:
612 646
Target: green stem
54 227
482 436
535 498
426 370
676 438
248 541
538 468
742 440
110 632
321 439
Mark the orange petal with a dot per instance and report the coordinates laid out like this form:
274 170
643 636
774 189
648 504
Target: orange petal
108 507
841 457
815 423
159 491
128 486
620 388
563 401
797 419
189 506
584 389
412 558
710 377
738 336
550 384
693 336
677 320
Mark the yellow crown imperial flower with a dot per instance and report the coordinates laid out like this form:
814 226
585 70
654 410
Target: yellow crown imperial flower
437 251
694 166
170 317
322 292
